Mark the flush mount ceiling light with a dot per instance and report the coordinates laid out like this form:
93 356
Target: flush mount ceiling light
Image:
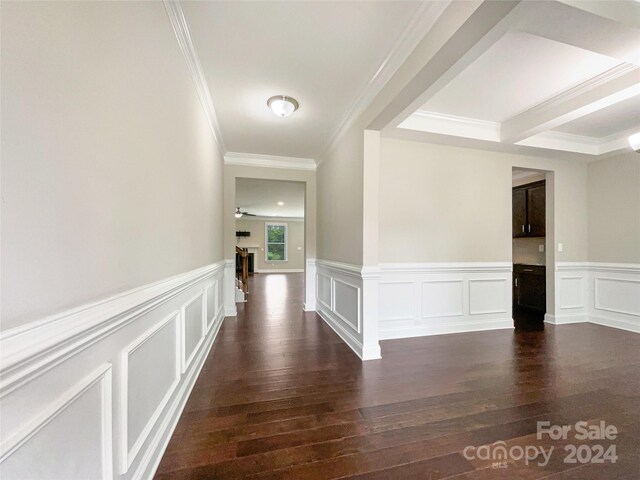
281 203
282 105
634 141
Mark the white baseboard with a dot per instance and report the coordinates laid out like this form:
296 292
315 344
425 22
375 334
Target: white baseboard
629 326
155 339
565 319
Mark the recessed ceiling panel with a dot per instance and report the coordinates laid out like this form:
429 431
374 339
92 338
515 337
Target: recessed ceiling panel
321 53
519 71
608 121
261 197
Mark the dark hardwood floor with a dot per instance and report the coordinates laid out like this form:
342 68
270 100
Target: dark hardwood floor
282 397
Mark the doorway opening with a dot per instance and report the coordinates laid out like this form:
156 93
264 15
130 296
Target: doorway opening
270 235
529 235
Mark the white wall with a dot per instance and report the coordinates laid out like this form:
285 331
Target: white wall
111 178
111 184
614 209
295 243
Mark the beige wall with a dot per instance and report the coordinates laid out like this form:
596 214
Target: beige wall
295 243
448 204
614 209
111 178
340 200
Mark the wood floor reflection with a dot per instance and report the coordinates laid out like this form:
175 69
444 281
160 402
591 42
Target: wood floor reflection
282 397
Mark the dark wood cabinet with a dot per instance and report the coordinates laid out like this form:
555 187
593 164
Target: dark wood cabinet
529 287
528 203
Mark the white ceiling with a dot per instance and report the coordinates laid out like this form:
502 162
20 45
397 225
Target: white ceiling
322 53
549 76
261 197
516 73
618 117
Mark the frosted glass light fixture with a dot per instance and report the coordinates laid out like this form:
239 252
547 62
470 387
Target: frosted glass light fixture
282 105
634 141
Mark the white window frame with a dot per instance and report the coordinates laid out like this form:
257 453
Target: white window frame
266 241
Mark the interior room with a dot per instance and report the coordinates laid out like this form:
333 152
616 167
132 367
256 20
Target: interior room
320 240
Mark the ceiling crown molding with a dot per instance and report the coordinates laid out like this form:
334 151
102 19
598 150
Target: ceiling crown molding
181 29
421 23
270 161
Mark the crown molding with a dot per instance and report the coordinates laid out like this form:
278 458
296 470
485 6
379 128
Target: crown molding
612 86
181 29
421 23
452 125
269 161
471 128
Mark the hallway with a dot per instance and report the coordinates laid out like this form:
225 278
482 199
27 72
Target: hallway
281 396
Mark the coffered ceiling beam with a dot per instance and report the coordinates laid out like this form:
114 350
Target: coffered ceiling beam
468 30
612 86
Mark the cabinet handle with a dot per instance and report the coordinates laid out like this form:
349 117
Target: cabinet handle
516 281
529 228
522 228
527 270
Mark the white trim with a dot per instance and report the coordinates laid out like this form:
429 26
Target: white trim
186 361
344 268
406 309
33 426
615 313
269 161
358 325
183 36
446 267
151 460
343 333
421 23
127 456
32 349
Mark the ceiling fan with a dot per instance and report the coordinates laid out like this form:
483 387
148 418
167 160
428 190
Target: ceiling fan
239 213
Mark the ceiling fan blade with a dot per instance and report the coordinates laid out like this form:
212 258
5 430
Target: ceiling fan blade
249 214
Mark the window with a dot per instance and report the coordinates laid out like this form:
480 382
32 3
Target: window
276 241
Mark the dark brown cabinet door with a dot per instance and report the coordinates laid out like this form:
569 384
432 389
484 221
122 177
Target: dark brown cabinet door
536 211
519 203
530 287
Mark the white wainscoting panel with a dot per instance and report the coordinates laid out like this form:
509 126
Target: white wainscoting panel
489 296
48 444
603 293
614 295
193 329
346 303
325 293
339 303
56 392
150 374
442 298
430 299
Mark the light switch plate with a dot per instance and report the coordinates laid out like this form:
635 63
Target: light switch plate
541 248
560 247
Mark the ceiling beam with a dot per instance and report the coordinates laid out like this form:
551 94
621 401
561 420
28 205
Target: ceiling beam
468 30
608 88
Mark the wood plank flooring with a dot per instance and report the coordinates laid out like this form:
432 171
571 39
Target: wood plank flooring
282 397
